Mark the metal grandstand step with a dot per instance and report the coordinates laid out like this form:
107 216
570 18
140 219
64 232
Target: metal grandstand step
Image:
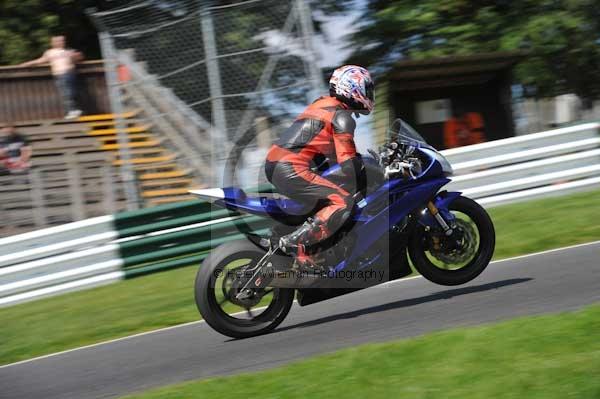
131 137
164 166
114 132
167 183
158 174
157 151
164 175
165 192
71 179
170 200
103 117
112 123
149 143
148 160
87 151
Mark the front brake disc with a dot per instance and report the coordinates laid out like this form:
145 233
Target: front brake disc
462 254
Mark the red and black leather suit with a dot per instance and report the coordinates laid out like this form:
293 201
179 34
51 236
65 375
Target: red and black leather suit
325 128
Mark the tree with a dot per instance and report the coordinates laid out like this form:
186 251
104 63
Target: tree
561 37
27 25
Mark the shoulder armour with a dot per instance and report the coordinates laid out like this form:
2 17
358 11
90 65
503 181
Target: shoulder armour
343 122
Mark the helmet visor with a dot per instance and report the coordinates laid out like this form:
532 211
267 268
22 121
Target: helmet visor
370 90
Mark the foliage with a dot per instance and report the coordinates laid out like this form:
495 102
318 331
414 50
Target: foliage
27 25
560 36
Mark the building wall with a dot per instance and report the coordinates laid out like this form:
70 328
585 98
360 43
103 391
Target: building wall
533 115
492 100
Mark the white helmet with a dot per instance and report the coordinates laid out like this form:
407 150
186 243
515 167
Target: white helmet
353 85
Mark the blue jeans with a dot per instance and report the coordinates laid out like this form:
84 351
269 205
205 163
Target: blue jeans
66 87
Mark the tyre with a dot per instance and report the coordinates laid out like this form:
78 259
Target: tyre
217 283
460 258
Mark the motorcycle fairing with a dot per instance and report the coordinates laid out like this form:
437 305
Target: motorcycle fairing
407 197
403 197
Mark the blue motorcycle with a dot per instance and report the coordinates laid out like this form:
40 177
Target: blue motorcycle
246 287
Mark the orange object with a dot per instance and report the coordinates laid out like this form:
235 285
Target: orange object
465 130
123 73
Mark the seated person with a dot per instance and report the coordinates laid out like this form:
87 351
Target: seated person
15 151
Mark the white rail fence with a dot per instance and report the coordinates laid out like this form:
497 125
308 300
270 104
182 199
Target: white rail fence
58 259
555 162
85 254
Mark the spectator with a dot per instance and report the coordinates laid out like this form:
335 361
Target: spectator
62 63
15 151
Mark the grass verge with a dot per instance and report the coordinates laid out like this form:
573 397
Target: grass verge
535 357
166 299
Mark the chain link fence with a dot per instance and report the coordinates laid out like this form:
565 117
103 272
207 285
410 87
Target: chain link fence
217 74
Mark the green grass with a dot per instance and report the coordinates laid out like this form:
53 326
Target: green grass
545 224
166 299
536 357
99 314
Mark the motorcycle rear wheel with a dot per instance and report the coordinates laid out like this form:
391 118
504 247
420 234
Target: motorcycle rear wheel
211 297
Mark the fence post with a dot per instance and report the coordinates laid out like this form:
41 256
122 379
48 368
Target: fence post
219 133
108 189
114 96
37 198
77 200
306 27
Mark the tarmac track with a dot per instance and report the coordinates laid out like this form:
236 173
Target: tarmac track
553 281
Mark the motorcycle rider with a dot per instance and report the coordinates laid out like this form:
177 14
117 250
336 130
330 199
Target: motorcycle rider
324 129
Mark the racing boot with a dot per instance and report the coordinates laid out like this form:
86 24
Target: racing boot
296 243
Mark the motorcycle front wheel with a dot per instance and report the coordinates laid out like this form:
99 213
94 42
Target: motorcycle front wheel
460 258
218 282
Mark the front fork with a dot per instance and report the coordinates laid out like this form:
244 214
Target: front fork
439 214
453 236
436 214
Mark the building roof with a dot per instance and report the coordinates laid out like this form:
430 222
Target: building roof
451 71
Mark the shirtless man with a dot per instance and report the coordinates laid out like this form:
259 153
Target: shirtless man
62 64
